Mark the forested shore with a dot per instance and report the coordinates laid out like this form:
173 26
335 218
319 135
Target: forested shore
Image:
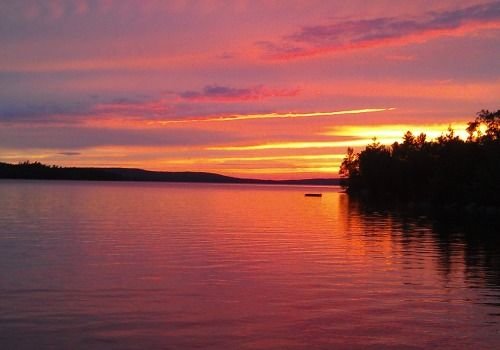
445 172
37 171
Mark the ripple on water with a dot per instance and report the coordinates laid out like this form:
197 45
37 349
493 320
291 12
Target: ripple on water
131 265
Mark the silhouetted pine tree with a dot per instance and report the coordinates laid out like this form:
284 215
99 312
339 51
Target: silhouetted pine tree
443 171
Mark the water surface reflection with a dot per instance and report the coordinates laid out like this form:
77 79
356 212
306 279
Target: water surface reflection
130 265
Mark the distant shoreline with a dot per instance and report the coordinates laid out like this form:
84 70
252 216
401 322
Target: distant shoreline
39 171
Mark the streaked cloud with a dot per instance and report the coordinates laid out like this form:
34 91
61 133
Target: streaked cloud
257 159
181 85
273 116
79 137
217 93
295 145
382 31
69 153
332 169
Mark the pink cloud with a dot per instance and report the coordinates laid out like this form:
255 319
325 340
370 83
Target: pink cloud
404 58
31 11
56 9
382 31
81 7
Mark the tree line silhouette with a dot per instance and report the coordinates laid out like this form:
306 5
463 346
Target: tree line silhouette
39 171
447 170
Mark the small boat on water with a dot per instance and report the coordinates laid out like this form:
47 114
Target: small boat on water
313 194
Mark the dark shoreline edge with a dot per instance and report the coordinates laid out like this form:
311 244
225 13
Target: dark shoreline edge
447 174
465 213
39 171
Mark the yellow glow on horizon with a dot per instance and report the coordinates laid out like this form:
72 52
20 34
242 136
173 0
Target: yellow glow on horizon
268 157
295 170
254 159
272 116
396 131
301 145
362 136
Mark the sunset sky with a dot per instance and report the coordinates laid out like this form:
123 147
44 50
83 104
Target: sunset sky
264 89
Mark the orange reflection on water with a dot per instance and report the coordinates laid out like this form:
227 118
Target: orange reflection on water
151 263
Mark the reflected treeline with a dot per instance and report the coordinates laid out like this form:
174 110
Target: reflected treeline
446 172
458 241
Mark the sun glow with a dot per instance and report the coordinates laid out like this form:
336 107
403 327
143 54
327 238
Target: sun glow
255 159
394 132
360 136
290 170
298 145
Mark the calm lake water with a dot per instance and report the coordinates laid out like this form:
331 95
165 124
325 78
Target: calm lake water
94 265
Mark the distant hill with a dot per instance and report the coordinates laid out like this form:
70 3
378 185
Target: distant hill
39 171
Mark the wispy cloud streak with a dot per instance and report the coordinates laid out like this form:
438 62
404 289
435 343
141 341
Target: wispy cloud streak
271 116
382 31
295 145
217 93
